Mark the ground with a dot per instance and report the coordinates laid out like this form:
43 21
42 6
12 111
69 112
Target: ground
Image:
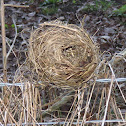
108 30
102 21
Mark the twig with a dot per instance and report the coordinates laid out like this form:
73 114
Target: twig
70 111
5 93
22 105
109 94
11 47
11 5
79 107
87 106
3 42
8 112
117 57
117 84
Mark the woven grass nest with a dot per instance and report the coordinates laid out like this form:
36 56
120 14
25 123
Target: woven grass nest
62 54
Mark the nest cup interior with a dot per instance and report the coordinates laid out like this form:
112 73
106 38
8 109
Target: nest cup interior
62 54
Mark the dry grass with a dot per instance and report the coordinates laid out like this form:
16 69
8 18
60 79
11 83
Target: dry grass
33 105
95 104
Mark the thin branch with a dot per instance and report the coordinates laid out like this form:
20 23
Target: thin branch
109 94
8 112
11 5
5 93
87 105
117 57
3 41
11 47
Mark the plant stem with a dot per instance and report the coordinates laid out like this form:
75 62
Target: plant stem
5 93
3 42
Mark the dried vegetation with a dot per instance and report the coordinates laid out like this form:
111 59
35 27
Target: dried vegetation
65 56
62 54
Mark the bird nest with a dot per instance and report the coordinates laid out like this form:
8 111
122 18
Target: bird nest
62 54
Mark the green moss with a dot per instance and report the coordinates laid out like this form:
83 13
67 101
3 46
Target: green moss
90 8
121 11
31 1
102 5
46 2
49 10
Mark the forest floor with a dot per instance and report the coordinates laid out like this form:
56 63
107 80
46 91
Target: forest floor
107 28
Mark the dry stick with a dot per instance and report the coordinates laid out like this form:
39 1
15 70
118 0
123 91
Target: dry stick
114 60
8 112
74 112
11 5
79 107
11 47
5 93
25 109
100 104
76 109
70 110
80 103
121 91
31 95
2 116
4 47
87 106
3 43
109 94
7 41
5 55
121 114
35 102
123 54
94 103
117 57
115 108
